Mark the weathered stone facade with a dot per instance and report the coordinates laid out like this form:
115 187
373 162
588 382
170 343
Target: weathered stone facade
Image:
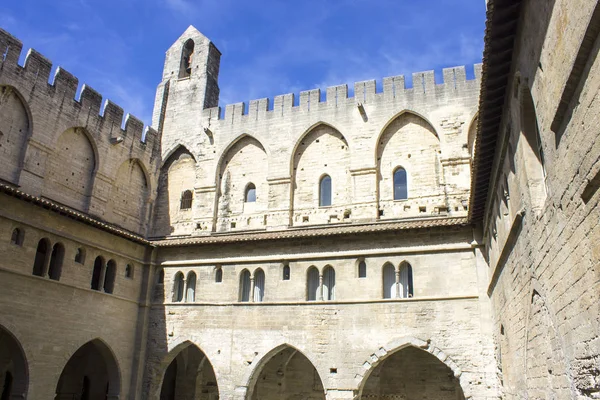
422 242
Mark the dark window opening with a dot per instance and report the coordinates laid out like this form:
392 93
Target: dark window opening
325 191
161 276
40 257
286 272
186 200
178 289
250 196
17 237
219 275
187 54
400 184
362 269
97 273
56 262
111 274
80 256
129 271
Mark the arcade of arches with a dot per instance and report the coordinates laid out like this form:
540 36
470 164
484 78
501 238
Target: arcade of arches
92 373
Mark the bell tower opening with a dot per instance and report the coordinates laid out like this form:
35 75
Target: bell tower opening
187 54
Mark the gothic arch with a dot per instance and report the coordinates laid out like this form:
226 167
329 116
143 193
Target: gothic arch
251 377
14 362
472 135
71 168
307 166
373 360
186 363
410 141
13 104
129 195
233 173
96 358
176 148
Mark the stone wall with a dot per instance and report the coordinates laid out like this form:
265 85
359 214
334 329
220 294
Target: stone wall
540 231
62 149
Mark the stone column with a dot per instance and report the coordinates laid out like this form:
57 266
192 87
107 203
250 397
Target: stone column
252 289
397 283
320 297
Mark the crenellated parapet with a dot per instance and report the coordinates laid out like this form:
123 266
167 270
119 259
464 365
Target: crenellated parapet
52 115
424 89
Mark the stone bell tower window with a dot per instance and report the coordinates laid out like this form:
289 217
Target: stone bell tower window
186 59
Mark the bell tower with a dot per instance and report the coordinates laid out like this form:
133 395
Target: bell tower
189 85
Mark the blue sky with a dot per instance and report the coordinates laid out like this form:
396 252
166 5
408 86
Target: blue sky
269 47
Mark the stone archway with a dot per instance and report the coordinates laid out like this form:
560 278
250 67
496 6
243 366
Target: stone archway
14 376
189 376
410 368
285 374
92 373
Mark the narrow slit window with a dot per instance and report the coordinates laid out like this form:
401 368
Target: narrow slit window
17 237
190 295
109 278
406 281
56 262
286 272
400 184
97 273
250 196
362 269
245 286
329 284
40 257
178 288
312 284
129 271
219 275
325 191
80 256
259 286
187 54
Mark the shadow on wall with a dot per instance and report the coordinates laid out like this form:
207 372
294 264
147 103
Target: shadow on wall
173 213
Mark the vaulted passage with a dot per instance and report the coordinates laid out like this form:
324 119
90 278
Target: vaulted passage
288 375
90 374
410 374
189 376
13 368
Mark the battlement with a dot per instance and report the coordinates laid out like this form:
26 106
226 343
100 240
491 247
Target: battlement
34 77
395 89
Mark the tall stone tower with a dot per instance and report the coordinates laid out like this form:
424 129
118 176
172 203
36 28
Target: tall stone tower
189 85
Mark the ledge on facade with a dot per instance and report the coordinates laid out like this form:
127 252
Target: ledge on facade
314 231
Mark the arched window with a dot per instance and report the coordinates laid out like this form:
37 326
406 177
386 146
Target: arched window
362 269
190 295
219 275
129 271
325 191
41 254
389 281
111 274
286 272
56 261
259 285
187 53
400 185
17 237
178 287
312 284
250 196
406 280
329 284
161 277
80 255
186 200
97 273
245 285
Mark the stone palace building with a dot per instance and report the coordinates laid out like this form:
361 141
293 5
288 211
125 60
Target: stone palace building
438 241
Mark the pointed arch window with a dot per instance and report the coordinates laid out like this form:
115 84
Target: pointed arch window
97 273
389 281
187 53
259 285
312 284
178 288
250 195
111 274
325 191
329 284
190 295
286 272
245 286
17 237
400 184
406 280
362 269
41 255
56 261
219 275
186 200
